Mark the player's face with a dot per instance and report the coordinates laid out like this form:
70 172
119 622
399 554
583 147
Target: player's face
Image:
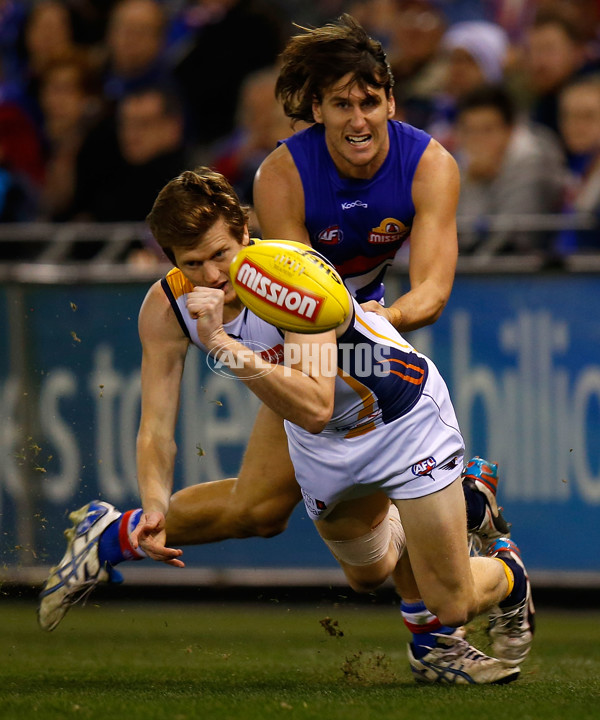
356 129
207 263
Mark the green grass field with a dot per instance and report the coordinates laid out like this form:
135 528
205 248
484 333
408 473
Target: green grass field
261 661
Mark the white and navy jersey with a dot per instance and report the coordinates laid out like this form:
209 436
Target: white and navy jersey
380 376
249 329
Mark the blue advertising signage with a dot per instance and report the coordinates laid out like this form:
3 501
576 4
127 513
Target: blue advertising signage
520 354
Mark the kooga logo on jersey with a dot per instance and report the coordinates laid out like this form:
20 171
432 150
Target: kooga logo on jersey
297 301
356 203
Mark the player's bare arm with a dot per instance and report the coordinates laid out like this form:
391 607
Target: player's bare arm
279 198
433 242
301 392
164 347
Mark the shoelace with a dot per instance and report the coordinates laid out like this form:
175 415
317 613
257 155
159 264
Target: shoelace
506 619
458 648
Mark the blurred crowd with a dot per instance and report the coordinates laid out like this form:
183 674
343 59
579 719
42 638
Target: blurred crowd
103 101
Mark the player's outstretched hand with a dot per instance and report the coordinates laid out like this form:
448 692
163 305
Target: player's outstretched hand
150 535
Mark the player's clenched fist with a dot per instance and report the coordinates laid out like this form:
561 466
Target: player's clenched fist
206 306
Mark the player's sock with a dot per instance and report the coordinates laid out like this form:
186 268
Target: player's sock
424 627
114 546
519 585
475 502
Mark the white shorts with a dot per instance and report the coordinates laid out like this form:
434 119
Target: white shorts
413 456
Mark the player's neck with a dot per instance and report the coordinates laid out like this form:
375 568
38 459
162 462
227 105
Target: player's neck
348 170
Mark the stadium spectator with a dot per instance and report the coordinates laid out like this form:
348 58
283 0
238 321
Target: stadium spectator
555 54
20 141
12 20
18 194
47 36
234 38
71 104
416 60
118 179
135 41
579 124
507 168
21 157
260 124
476 54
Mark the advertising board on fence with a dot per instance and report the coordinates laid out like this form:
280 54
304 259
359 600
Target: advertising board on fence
520 354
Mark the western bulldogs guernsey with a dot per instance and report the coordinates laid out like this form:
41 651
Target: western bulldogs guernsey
359 225
391 406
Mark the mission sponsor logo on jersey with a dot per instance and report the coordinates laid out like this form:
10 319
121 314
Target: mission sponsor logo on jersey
388 231
294 300
331 235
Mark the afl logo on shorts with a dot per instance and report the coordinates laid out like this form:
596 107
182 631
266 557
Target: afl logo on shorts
331 235
388 231
424 467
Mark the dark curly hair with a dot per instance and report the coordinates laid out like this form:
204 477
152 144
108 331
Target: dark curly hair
317 59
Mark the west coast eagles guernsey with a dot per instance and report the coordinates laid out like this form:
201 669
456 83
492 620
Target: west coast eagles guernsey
393 426
359 225
380 376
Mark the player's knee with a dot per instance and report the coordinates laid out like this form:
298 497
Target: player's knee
362 584
178 518
453 612
265 520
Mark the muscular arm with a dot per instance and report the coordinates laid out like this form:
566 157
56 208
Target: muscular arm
164 348
433 241
279 198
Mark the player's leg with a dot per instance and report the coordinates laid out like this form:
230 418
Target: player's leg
457 587
435 527
366 538
258 502
485 523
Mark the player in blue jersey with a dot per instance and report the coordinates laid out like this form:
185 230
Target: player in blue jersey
356 184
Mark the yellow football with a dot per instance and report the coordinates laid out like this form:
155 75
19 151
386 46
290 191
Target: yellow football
290 285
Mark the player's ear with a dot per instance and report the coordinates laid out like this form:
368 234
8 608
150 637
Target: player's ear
316 110
391 106
246 236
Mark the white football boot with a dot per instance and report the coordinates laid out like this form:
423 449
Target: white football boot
79 571
452 661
